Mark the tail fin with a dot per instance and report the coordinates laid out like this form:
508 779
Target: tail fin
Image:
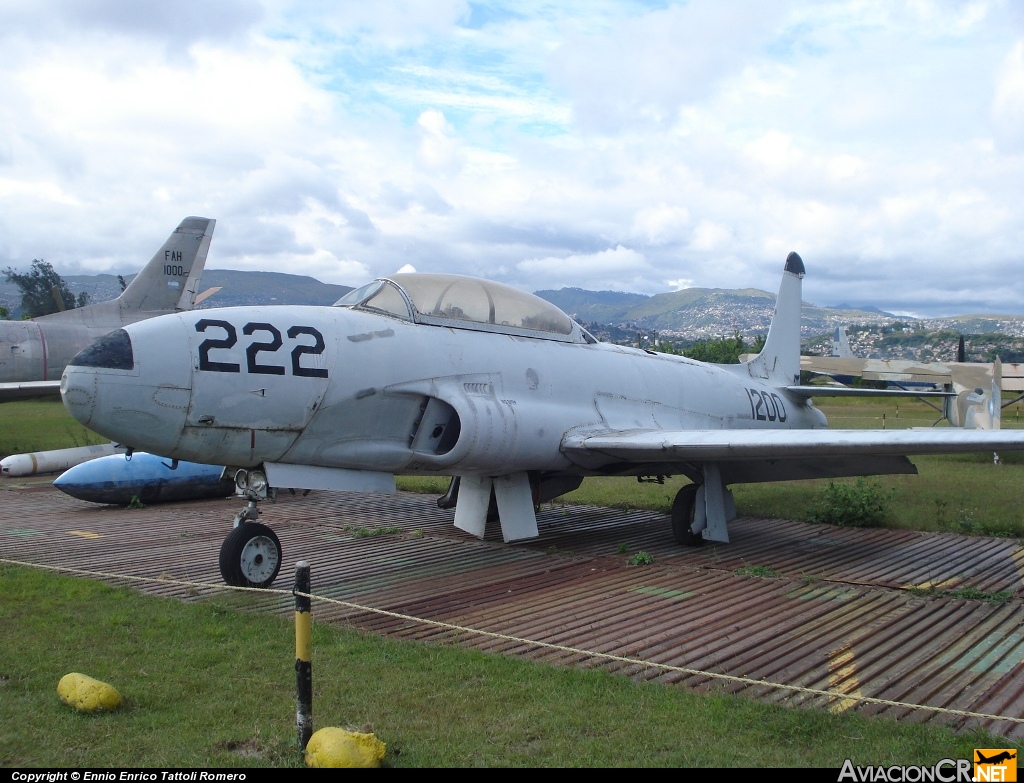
979 396
779 360
170 280
841 344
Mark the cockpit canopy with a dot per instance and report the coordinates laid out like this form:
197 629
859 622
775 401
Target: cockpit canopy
465 303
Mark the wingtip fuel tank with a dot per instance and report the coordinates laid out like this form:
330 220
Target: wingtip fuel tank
118 479
54 460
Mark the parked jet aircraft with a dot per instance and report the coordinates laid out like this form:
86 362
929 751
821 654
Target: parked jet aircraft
34 353
448 375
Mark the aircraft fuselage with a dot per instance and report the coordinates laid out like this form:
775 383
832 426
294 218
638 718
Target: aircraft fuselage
344 388
40 349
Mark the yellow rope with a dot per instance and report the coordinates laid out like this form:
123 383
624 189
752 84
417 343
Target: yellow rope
533 642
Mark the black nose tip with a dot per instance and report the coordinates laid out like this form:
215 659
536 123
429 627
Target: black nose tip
112 351
795 264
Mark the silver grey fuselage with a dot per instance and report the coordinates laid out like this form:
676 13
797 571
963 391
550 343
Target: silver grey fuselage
241 386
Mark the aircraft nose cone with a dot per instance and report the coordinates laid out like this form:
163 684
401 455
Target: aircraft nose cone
78 384
77 390
133 385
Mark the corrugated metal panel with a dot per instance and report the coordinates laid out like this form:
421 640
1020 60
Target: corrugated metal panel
837 616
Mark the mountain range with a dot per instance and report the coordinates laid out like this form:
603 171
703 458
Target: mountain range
688 314
700 313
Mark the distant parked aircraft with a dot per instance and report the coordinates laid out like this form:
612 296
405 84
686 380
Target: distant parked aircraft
977 386
33 354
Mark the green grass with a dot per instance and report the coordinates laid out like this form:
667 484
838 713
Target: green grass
762 572
39 425
208 684
369 532
641 558
967 593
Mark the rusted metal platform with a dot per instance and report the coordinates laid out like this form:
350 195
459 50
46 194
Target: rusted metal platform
841 613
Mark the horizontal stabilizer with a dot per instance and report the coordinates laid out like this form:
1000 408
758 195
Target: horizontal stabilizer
853 391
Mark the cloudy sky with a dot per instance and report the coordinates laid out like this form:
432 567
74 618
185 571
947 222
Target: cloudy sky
604 144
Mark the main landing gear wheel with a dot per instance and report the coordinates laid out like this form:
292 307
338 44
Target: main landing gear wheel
682 516
250 556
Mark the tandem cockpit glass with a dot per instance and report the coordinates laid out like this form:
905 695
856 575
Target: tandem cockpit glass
465 303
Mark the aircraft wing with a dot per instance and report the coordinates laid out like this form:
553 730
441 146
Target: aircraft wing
724 445
27 390
779 455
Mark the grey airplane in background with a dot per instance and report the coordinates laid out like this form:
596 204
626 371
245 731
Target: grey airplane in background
445 375
33 354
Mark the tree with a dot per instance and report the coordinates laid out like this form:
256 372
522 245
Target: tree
726 351
40 289
4 314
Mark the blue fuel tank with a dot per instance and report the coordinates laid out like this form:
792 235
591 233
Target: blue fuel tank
117 479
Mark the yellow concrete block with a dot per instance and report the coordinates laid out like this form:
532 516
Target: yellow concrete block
332 747
86 694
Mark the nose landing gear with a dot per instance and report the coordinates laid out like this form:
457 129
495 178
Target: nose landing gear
251 553
250 556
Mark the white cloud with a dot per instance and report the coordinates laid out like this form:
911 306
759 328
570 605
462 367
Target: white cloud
608 145
1008 103
440 150
615 268
662 224
709 235
680 284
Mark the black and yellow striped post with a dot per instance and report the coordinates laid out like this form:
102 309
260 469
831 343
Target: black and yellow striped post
303 655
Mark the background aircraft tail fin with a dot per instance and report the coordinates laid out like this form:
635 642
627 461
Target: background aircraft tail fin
779 360
979 396
170 280
841 344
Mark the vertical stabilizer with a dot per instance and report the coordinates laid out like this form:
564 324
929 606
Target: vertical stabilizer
779 360
841 344
170 281
979 396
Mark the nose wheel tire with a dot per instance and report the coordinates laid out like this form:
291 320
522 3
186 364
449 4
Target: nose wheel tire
682 516
250 556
